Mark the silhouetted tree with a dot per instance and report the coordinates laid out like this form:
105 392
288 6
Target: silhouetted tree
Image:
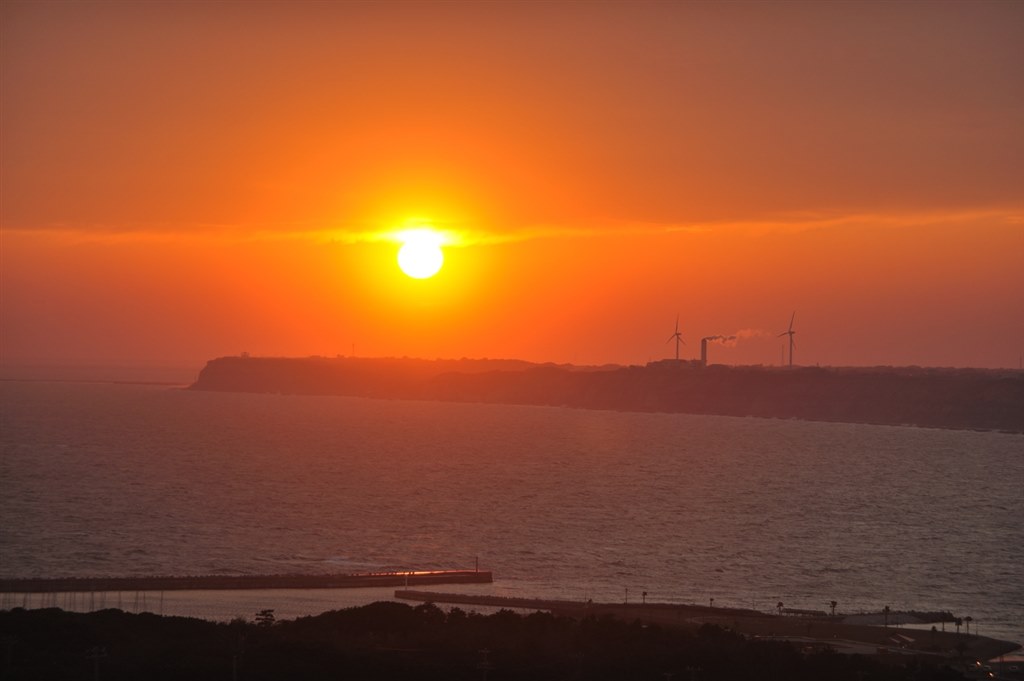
833 604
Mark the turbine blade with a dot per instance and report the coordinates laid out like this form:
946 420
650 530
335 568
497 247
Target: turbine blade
791 320
782 334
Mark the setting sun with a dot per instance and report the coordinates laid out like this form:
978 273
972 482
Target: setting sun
358 294
420 256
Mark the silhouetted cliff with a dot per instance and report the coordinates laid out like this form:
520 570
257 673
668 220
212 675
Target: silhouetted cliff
941 398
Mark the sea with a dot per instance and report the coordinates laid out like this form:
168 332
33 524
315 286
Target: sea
106 479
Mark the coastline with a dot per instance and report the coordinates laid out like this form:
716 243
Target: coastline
816 631
955 399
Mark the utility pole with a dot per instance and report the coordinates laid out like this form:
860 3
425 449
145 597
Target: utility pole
485 664
94 654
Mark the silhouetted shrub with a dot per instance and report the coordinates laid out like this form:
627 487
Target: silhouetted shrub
392 640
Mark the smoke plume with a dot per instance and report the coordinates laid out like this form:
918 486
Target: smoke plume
728 341
742 334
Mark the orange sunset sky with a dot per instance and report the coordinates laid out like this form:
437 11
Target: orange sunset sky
184 180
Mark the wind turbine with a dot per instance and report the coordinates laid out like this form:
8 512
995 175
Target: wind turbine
678 337
790 333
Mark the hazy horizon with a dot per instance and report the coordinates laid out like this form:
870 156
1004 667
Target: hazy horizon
181 373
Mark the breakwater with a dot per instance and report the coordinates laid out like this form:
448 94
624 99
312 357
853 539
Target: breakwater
235 582
569 608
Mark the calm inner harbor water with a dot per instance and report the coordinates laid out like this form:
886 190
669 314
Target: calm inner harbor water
106 479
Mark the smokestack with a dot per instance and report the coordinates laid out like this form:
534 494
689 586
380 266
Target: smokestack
728 341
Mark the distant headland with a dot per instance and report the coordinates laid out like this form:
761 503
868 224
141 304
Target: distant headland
980 399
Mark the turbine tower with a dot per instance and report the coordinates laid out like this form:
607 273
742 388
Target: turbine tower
678 338
790 333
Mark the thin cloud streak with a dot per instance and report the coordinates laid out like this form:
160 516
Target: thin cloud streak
457 236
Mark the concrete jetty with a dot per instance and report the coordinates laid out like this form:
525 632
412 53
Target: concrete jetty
236 582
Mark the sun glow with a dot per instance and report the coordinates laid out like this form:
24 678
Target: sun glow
420 256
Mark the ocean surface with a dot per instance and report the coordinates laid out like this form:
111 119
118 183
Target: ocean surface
109 479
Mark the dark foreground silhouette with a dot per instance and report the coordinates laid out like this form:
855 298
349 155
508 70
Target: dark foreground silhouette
937 398
395 641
